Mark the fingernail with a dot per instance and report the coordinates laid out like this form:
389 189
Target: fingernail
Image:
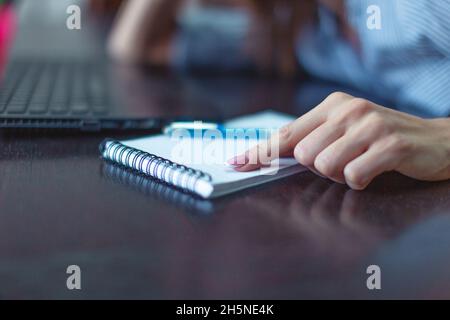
238 161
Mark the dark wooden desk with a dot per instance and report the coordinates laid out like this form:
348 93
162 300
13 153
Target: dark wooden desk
303 237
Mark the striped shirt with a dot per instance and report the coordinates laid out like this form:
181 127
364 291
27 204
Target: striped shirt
407 60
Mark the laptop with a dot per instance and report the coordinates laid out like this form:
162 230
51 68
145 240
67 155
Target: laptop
61 78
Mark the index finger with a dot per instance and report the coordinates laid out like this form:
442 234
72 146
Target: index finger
279 144
284 141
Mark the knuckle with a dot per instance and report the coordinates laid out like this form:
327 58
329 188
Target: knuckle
333 100
360 105
285 134
335 96
377 123
355 109
399 143
285 130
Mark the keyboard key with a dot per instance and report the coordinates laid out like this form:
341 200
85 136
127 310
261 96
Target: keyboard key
99 109
79 107
96 86
19 100
6 91
79 102
13 75
59 108
19 108
4 95
40 98
59 101
38 108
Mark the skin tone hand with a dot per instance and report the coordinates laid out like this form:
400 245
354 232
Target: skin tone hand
143 31
352 140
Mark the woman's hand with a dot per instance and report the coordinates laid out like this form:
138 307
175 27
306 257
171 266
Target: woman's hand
351 140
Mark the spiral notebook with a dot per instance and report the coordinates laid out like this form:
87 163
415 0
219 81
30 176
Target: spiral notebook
154 156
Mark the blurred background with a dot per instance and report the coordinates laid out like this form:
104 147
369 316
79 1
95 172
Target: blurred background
224 57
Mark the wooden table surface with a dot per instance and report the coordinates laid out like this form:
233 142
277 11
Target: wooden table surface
302 237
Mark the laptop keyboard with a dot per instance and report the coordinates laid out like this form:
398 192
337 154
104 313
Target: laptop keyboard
59 89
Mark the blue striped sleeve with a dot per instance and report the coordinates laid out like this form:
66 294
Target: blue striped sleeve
432 17
410 55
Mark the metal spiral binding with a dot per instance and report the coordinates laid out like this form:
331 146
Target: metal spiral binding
162 169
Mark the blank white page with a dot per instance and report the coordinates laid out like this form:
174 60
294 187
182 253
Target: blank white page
214 164
198 154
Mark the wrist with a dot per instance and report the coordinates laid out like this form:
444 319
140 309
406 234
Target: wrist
442 127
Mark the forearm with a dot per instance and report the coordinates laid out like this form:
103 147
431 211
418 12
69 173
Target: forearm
139 23
276 26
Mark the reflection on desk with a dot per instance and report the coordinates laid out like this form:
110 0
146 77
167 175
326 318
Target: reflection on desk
156 189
